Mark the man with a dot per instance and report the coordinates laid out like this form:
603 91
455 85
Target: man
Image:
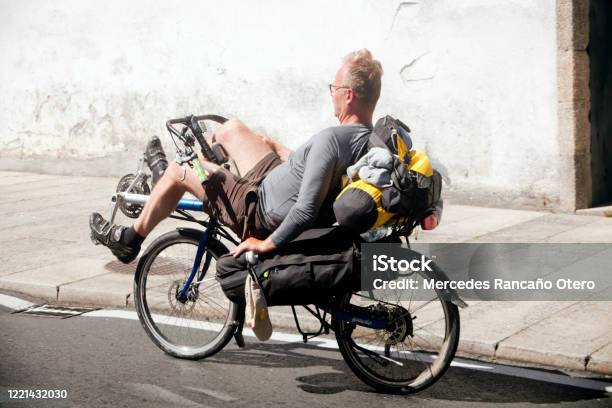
282 193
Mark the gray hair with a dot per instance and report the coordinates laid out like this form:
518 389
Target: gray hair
363 75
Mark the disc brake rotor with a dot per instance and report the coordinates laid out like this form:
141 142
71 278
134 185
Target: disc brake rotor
173 294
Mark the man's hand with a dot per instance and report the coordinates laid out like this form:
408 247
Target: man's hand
253 244
430 222
278 148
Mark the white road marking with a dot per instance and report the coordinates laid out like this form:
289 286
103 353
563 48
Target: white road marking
14 303
212 393
521 372
118 314
158 393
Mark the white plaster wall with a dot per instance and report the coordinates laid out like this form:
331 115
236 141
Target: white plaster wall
84 84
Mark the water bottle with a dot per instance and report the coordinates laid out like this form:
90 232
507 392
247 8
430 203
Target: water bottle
376 233
199 170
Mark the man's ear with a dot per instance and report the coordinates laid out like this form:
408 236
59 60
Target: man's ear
350 96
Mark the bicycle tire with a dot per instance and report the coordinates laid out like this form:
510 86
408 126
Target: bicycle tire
356 358
159 262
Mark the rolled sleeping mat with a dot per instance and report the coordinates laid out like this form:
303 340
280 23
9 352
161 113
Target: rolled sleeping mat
358 207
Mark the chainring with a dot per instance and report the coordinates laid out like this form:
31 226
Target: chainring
142 187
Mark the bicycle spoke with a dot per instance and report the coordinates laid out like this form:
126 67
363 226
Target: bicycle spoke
185 325
404 354
422 306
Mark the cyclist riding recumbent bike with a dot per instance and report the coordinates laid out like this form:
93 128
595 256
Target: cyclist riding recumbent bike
394 346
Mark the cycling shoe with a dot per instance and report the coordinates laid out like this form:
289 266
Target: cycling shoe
109 235
156 159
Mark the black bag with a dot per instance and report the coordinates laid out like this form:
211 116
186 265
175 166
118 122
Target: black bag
320 263
412 194
386 131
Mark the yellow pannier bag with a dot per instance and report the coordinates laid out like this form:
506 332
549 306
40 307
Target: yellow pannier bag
363 206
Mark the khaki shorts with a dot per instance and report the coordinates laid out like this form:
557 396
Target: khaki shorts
233 200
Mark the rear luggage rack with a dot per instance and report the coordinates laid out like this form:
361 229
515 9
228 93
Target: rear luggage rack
324 329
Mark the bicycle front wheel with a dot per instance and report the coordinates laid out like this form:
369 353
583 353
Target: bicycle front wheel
409 355
194 328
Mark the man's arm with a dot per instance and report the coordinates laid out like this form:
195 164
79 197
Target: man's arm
316 183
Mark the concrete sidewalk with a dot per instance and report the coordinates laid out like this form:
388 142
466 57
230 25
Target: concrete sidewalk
45 252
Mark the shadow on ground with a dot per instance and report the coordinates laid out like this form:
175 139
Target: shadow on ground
458 384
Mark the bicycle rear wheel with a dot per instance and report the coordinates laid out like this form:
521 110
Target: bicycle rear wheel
198 327
412 353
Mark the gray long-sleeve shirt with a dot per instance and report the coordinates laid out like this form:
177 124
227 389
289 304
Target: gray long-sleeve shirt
293 193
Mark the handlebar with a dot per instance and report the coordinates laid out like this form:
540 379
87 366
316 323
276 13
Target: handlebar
187 119
192 122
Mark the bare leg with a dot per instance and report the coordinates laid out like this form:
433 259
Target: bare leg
241 144
244 146
166 195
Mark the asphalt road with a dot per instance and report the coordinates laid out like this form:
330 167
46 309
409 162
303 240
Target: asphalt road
111 362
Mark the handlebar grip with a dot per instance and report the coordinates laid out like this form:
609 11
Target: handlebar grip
251 257
183 121
199 135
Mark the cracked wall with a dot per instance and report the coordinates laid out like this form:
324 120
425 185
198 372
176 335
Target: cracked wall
84 86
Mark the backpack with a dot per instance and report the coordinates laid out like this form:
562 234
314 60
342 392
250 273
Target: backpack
414 191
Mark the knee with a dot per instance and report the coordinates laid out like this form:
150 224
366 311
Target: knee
228 129
173 173
233 123
173 168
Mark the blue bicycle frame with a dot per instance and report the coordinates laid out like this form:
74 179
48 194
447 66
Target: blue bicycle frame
364 319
